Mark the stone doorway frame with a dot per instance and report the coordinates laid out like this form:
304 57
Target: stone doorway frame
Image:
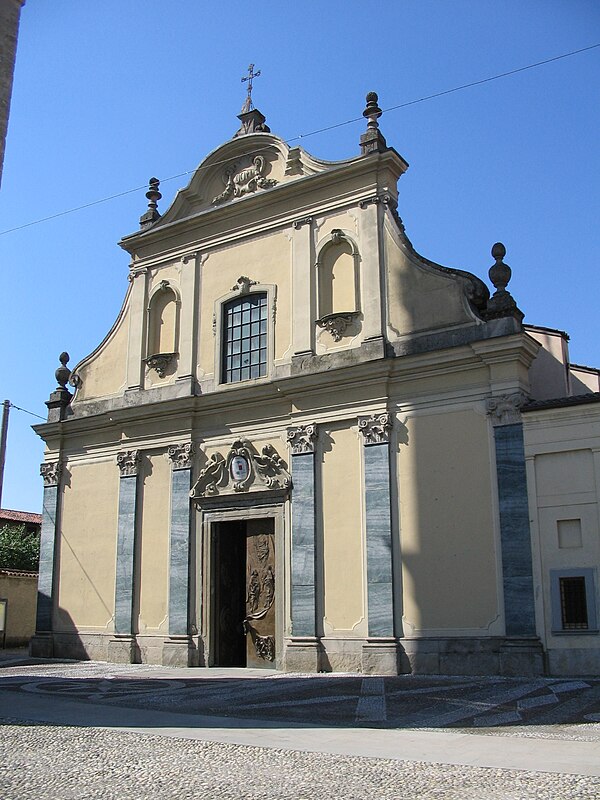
240 513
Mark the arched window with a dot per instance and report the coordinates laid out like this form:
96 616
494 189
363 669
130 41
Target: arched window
244 338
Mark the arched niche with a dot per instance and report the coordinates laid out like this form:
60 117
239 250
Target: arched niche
337 283
163 323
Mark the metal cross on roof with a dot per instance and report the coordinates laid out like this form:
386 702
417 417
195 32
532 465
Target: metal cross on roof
248 106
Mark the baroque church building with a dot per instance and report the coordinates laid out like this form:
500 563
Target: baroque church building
304 446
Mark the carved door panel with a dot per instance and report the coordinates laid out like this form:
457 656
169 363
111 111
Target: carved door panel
229 594
260 594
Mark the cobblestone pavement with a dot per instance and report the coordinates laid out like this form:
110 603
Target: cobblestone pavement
56 762
481 704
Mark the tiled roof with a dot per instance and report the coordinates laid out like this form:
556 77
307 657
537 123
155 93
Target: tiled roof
20 516
562 402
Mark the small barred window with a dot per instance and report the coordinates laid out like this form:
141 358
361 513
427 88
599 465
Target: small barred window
573 603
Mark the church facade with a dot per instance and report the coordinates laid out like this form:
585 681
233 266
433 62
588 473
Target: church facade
303 446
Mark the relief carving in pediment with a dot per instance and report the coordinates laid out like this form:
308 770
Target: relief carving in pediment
245 179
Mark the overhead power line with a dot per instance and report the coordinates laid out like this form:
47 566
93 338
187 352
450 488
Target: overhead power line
313 133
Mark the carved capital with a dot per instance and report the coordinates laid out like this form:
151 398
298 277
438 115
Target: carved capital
181 455
50 473
128 462
302 439
376 428
189 257
506 408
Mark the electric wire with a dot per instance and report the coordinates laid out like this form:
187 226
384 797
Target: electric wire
312 133
12 405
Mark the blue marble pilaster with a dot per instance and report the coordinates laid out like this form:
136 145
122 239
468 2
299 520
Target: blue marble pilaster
46 580
380 589
179 553
514 531
125 555
303 545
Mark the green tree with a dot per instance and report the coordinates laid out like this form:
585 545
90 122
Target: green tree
19 549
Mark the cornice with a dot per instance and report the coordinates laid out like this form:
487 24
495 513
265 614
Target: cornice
295 190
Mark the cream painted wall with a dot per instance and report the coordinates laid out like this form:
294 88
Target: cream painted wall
104 373
447 527
87 546
419 298
566 491
339 454
155 490
21 592
266 259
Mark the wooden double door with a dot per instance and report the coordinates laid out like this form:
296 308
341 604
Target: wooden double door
244 585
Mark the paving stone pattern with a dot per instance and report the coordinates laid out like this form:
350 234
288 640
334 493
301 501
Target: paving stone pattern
56 763
479 704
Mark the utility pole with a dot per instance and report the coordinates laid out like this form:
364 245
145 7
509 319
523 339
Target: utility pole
3 434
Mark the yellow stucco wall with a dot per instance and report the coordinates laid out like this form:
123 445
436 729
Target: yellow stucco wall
104 373
339 453
21 593
88 546
155 488
447 538
419 298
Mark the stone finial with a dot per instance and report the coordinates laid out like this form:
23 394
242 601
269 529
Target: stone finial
501 303
60 398
372 141
153 196
63 373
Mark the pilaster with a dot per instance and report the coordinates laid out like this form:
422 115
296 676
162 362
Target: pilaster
41 643
128 462
370 251
515 537
181 457
137 330
302 317
375 431
187 329
303 602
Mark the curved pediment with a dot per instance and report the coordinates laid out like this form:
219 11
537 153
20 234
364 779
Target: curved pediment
242 167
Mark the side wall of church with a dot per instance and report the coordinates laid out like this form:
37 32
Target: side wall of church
562 447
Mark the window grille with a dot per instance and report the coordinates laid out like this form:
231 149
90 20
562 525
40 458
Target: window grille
573 603
245 338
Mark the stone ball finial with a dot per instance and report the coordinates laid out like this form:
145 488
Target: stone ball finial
372 112
498 251
500 273
63 373
153 194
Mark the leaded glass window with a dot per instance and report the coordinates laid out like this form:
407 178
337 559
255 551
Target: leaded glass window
245 338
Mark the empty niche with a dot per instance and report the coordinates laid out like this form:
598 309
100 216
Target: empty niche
162 328
569 533
337 284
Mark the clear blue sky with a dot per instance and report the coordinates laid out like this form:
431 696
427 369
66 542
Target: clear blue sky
107 94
